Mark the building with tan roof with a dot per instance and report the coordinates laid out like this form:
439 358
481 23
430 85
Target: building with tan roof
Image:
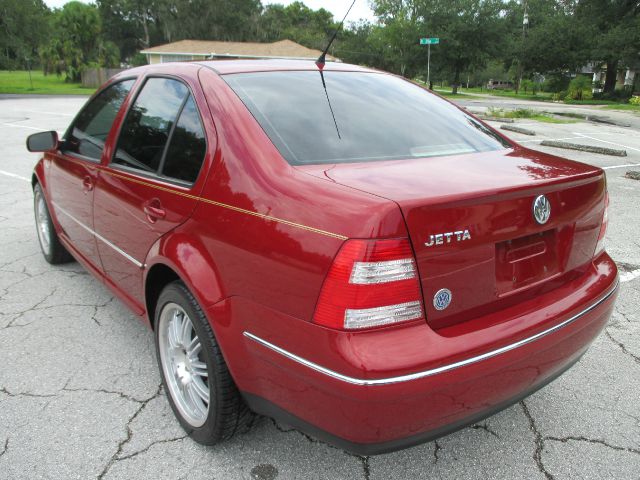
186 50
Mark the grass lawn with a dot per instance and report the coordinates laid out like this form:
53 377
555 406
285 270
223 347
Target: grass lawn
528 114
624 106
447 93
18 82
539 96
591 101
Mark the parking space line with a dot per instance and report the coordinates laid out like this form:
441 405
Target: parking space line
48 113
605 141
23 126
628 276
599 133
13 175
622 166
543 139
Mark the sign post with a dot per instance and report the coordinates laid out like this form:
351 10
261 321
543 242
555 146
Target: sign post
429 42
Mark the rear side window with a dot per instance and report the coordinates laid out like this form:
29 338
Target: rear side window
162 133
358 117
88 133
187 148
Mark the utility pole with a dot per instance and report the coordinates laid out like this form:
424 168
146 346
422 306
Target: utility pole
525 24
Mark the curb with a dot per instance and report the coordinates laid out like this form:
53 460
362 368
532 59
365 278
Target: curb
584 148
498 119
512 128
592 118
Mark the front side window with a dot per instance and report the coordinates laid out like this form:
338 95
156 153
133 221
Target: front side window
163 133
89 131
358 117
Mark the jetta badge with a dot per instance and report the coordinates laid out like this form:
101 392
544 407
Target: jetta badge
446 237
442 299
541 209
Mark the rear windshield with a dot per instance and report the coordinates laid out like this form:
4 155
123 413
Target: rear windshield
359 117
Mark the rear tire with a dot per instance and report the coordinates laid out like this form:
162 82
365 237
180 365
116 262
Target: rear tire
52 250
201 392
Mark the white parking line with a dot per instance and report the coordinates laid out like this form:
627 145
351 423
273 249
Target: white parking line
604 141
23 126
48 113
13 175
622 166
543 139
628 276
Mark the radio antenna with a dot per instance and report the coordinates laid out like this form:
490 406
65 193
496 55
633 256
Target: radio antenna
321 59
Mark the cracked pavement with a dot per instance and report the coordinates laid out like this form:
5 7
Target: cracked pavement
80 393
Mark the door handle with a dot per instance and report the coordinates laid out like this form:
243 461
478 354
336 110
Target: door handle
87 184
153 210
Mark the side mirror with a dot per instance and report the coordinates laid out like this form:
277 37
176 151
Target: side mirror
42 142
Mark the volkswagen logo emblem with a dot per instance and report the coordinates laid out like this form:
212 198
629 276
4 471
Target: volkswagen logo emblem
442 299
541 209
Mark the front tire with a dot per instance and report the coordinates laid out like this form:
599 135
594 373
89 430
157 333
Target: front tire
52 250
195 376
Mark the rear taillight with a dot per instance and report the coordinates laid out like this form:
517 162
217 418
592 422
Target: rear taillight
372 283
603 228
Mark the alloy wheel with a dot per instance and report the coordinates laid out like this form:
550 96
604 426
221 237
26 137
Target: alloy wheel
183 364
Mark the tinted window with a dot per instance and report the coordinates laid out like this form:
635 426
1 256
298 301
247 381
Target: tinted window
360 117
89 132
187 146
149 122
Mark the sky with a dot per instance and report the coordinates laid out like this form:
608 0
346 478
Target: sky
337 7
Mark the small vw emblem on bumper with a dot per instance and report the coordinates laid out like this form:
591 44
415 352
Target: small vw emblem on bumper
442 299
541 209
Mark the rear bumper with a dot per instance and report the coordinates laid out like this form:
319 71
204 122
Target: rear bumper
265 407
378 392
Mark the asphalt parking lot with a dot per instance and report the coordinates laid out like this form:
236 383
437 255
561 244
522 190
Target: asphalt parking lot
80 392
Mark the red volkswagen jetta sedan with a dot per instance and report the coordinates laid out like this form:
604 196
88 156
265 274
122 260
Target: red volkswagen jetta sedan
337 248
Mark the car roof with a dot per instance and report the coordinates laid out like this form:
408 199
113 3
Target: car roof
224 67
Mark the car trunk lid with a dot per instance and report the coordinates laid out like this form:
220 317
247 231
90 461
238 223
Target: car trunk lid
470 220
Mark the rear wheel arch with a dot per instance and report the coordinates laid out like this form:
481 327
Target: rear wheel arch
179 256
158 277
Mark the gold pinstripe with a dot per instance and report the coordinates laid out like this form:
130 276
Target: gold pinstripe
229 207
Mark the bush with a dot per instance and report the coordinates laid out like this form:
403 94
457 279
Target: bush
528 86
556 84
580 88
617 95
559 96
634 101
138 60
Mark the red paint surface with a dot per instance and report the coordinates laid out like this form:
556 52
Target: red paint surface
263 273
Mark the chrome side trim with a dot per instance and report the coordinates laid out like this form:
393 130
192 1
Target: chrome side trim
434 371
99 237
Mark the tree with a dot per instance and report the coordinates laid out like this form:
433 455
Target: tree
295 22
122 27
554 42
23 26
76 41
615 32
228 20
471 33
354 45
398 36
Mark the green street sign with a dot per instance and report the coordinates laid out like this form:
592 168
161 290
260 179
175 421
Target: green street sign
429 41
